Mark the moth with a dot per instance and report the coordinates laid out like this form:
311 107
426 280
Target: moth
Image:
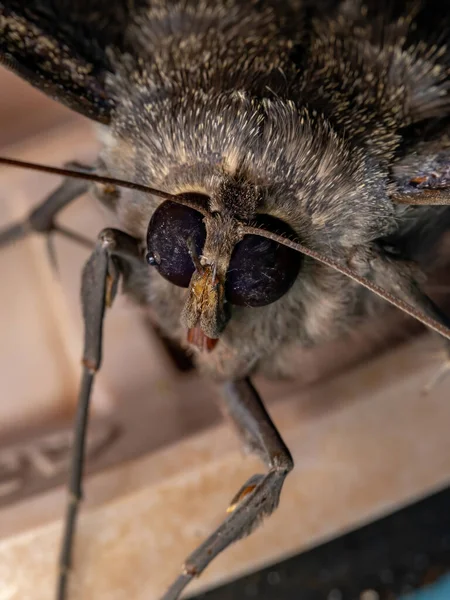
290 172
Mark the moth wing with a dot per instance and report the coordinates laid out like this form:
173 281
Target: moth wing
60 47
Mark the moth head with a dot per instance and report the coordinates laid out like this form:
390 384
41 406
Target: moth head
208 252
370 266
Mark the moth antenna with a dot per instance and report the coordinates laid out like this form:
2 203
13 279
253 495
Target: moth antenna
427 312
86 176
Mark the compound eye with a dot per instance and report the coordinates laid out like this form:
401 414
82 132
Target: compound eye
261 270
171 229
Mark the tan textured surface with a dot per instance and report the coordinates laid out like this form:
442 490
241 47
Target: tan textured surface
366 453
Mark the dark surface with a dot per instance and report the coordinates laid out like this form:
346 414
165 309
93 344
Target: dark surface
400 553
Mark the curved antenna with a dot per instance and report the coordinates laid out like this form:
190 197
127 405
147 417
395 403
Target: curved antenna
11 162
84 175
407 308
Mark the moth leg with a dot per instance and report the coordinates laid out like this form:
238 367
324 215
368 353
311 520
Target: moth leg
114 256
259 496
441 373
42 218
429 197
395 277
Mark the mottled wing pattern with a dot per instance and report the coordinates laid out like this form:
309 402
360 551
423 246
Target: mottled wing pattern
60 46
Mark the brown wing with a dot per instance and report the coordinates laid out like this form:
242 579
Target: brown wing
59 46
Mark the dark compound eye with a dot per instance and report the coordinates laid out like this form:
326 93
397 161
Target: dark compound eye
170 228
260 270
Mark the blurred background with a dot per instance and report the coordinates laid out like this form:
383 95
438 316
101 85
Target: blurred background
25 112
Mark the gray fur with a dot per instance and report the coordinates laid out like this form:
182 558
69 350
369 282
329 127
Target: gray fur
214 103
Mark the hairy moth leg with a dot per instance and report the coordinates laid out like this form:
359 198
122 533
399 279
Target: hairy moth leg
42 218
113 257
259 496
